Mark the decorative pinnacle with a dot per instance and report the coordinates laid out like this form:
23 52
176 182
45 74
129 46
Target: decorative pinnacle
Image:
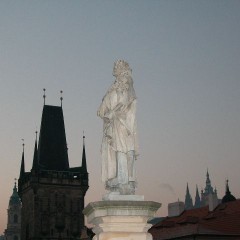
83 138
23 144
44 95
36 134
61 98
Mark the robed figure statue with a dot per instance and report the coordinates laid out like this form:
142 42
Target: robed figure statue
119 143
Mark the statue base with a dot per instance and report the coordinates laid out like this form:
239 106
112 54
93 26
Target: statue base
116 196
121 220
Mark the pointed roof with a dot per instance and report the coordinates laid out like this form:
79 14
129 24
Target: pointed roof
188 199
228 196
22 169
14 199
197 199
35 156
52 146
84 162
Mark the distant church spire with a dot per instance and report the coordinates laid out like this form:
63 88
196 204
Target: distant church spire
228 196
35 155
188 199
22 169
84 162
208 188
197 199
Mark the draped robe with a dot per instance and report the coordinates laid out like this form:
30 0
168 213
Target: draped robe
118 111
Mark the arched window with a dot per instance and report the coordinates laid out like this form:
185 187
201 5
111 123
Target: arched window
15 218
15 238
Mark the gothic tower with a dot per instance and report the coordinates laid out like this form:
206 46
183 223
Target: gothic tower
208 191
13 230
52 193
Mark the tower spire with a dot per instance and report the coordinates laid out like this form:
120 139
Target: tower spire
22 170
188 199
228 196
208 188
84 162
197 199
35 155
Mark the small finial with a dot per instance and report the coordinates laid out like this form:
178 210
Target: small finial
23 144
44 96
36 134
15 182
83 138
61 98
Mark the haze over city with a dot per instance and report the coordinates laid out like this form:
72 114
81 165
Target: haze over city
185 58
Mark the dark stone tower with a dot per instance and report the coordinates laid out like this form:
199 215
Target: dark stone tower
52 193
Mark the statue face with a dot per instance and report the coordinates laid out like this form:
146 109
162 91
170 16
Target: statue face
121 66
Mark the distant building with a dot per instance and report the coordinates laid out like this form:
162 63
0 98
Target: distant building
208 191
208 195
13 230
201 223
52 193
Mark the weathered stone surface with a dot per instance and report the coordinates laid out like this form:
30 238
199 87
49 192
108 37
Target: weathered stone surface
121 219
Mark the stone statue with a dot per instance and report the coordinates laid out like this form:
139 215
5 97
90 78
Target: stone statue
119 143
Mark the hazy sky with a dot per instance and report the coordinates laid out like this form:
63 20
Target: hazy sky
185 56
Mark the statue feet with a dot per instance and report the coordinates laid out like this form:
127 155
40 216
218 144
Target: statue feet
113 185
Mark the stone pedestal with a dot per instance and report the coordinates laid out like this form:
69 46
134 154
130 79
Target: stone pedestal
121 219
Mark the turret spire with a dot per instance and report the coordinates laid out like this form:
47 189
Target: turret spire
188 199
14 199
228 196
35 155
84 162
22 170
197 199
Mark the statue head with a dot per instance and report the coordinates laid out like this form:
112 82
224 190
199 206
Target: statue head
121 68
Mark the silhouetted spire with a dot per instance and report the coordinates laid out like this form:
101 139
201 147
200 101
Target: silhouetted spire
208 188
188 199
14 199
84 162
52 146
228 196
22 170
197 199
35 155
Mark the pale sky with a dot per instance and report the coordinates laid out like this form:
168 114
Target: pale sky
185 57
